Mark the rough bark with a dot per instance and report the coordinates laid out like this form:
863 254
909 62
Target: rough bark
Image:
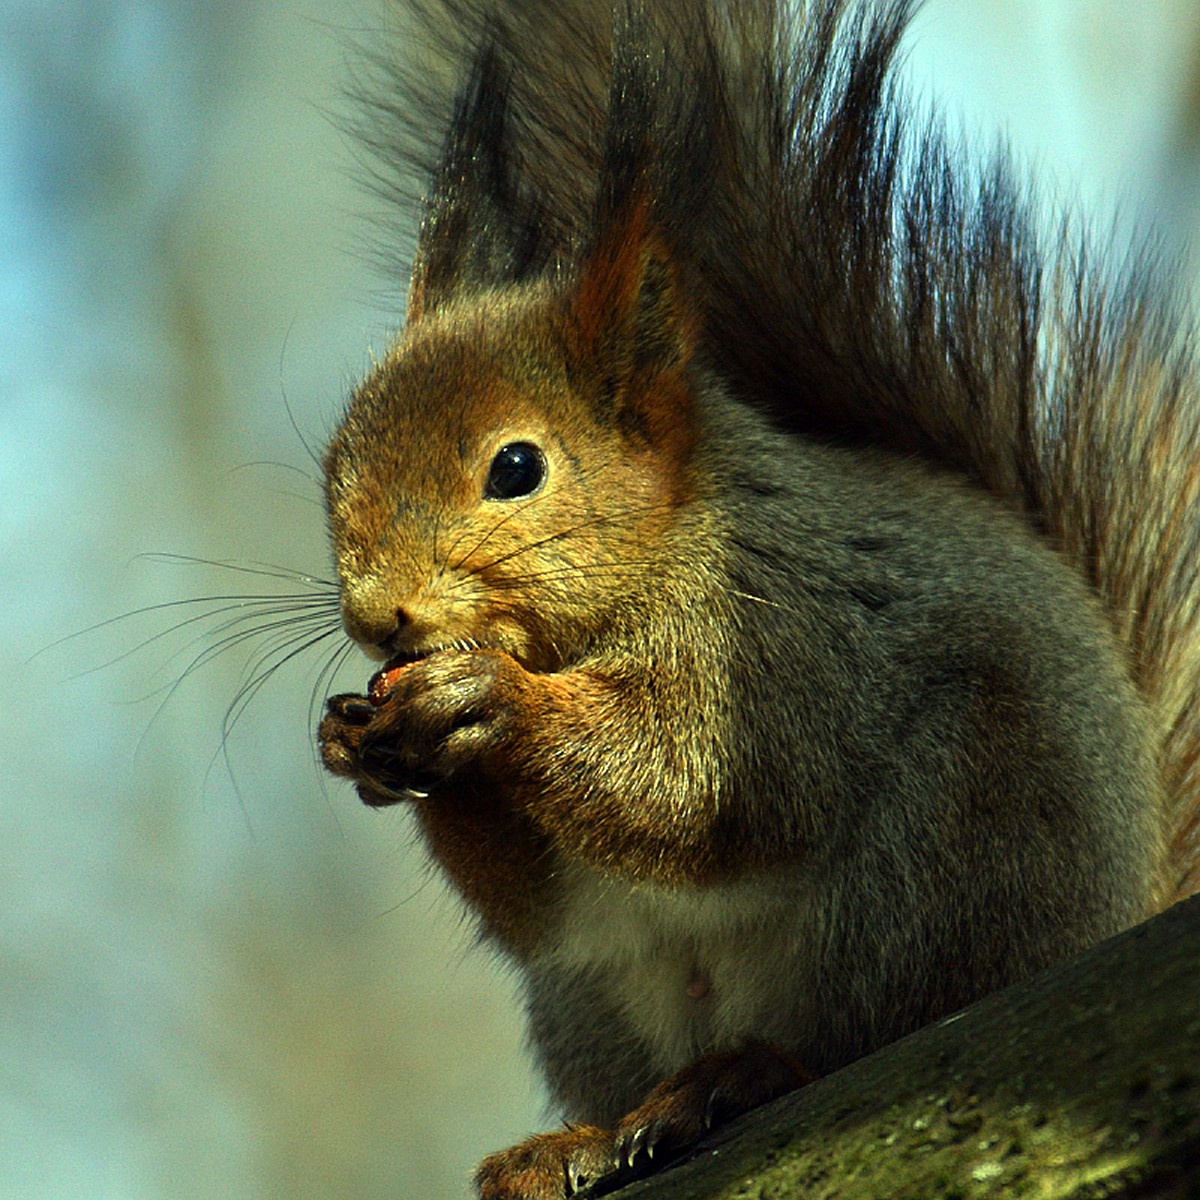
1082 1082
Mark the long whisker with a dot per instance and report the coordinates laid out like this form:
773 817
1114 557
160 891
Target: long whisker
265 665
291 416
282 632
603 519
211 652
569 572
515 511
325 677
258 606
244 567
282 639
282 466
276 627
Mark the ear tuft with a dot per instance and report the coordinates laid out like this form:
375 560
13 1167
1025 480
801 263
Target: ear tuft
479 230
632 333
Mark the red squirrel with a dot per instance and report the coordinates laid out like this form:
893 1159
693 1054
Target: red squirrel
785 567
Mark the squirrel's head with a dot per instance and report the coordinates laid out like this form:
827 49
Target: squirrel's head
508 475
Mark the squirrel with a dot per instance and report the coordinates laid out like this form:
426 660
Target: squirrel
785 569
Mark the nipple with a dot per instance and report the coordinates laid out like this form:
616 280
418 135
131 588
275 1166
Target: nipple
699 985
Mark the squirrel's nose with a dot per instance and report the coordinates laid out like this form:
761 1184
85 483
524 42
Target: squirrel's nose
373 618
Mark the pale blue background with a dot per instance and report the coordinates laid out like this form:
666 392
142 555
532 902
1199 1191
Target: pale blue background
221 976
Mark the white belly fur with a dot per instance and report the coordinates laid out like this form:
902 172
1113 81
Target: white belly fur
693 971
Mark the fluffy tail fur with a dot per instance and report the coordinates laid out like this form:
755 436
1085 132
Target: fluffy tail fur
850 277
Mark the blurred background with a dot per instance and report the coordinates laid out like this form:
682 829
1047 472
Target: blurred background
219 974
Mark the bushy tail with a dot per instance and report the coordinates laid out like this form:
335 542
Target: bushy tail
854 280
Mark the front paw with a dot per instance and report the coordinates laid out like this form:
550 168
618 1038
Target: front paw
341 730
549 1166
340 736
446 716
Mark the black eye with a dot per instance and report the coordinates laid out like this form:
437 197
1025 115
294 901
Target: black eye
517 470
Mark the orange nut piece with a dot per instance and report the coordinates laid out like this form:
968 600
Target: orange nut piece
383 682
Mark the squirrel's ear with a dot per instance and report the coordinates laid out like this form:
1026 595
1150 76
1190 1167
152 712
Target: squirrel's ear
632 333
478 230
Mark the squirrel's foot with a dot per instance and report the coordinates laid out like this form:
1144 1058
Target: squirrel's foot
674 1117
707 1092
549 1166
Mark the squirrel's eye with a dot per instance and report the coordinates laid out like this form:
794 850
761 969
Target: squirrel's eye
517 470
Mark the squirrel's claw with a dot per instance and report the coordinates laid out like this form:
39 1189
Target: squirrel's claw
634 1146
351 708
713 1089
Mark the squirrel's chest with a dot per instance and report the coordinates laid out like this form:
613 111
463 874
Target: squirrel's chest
687 972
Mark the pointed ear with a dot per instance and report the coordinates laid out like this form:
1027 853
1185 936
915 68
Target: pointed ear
632 333
478 231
